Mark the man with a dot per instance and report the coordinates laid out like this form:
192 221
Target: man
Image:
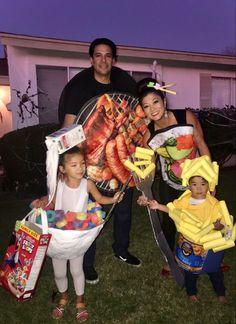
102 77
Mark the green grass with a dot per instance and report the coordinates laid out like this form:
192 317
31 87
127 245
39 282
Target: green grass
124 294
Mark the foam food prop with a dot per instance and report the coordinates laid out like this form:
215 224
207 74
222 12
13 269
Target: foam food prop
145 157
58 143
202 167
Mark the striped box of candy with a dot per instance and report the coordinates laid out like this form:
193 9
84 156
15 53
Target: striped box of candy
66 137
23 260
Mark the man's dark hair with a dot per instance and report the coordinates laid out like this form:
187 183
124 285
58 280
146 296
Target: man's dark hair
104 41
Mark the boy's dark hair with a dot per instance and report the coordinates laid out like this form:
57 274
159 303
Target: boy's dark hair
73 150
143 89
104 41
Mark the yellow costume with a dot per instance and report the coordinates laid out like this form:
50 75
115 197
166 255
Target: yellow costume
208 211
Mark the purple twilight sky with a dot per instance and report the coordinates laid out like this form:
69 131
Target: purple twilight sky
206 26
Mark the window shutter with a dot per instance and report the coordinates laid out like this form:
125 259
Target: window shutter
51 80
205 90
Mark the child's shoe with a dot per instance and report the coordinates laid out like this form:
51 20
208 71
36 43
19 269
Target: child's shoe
224 267
165 271
193 298
59 310
81 313
221 299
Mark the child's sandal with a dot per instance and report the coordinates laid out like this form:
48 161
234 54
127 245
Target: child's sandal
82 313
193 298
59 310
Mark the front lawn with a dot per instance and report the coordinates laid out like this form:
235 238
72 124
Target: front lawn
124 294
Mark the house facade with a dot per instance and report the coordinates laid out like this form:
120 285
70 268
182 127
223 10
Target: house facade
39 68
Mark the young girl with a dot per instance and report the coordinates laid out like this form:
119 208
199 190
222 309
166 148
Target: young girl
200 203
72 195
172 130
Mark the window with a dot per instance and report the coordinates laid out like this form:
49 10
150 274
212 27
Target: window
140 75
72 72
223 92
217 91
205 90
50 80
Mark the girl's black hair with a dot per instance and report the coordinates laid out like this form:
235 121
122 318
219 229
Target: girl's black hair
73 150
143 89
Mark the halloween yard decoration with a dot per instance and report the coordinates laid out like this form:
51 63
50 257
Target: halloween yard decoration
26 102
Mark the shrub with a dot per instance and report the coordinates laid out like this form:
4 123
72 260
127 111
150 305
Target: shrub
23 154
219 127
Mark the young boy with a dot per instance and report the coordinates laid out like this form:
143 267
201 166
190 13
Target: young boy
199 202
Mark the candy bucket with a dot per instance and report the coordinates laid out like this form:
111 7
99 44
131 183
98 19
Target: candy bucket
72 232
192 257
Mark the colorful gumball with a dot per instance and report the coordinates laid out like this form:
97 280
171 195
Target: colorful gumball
89 216
51 215
91 225
61 223
103 215
77 224
91 205
84 226
94 219
81 216
52 225
95 209
69 226
59 214
100 220
99 213
70 216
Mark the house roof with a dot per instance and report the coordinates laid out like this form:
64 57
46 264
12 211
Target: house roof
124 51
